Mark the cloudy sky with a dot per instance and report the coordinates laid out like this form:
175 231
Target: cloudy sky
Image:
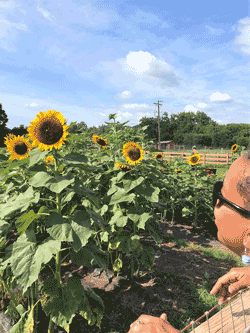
88 59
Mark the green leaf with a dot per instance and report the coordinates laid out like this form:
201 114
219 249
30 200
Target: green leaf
118 219
120 196
36 155
22 201
54 184
76 228
148 257
129 185
26 257
89 254
76 158
24 221
149 192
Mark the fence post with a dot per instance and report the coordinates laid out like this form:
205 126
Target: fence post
204 158
227 157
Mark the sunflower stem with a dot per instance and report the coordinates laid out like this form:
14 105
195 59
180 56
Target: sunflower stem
58 260
195 198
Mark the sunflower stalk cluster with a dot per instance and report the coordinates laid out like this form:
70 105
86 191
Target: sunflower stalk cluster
98 202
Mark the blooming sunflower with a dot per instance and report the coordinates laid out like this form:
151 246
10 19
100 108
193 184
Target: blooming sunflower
133 152
123 167
195 159
178 170
49 159
234 147
17 146
100 141
158 156
48 130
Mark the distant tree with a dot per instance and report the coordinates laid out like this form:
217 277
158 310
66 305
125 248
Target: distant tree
3 117
152 130
4 131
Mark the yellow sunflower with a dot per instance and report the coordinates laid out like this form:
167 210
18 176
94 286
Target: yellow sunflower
49 159
158 156
178 170
48 130
18 147
234 147
195 159
133 152
123 167
100 141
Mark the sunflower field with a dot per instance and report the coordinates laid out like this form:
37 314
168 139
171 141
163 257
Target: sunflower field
57 188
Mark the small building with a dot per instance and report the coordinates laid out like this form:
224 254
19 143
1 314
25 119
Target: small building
166 145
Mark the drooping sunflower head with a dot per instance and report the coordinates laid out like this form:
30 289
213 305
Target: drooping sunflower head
123 167
178 170
158 156
133 152
17 146
195 159
100 141
234 147
48 130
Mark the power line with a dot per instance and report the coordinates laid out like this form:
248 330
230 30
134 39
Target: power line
159 129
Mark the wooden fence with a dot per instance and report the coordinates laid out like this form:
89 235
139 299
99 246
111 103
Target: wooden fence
205 158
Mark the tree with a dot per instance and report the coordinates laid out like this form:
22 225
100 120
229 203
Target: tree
3 117
4 131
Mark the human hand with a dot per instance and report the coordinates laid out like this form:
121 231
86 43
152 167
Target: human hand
150 324
229 284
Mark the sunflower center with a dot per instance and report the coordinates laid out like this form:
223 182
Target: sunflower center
50 132
134 154
20 148
194 159
101 142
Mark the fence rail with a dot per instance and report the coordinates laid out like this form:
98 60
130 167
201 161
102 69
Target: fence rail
205 158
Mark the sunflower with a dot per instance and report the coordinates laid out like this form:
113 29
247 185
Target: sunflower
49 160
17 146
158 156
195 159
178 170
100 141
123 167
234 147
48 130
133 152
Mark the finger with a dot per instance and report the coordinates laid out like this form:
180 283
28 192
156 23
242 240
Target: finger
164 317
228 278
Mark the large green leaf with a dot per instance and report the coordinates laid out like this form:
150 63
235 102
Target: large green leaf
26 257
22 201
76 228
54 184
120 196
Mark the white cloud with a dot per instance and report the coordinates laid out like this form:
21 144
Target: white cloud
218 97
243 40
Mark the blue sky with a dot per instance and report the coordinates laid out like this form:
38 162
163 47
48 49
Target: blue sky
88 59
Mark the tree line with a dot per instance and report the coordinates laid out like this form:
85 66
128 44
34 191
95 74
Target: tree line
184 128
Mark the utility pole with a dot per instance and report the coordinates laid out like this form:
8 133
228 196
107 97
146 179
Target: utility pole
159 129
